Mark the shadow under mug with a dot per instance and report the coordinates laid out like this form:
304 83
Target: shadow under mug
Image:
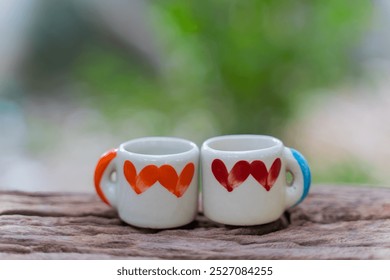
244 179
156 182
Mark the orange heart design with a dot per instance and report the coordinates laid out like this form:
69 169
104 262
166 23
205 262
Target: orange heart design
173 183
144 180
165 174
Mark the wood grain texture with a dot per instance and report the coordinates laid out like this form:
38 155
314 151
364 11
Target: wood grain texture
332 223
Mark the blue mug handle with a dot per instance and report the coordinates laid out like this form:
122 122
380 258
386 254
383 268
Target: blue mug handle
299 168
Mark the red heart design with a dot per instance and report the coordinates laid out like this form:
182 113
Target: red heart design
265 178
165 174
235 177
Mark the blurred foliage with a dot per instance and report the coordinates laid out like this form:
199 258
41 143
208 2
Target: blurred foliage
247 64
348 172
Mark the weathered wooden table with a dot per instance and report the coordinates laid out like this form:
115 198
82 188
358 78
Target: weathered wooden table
332 223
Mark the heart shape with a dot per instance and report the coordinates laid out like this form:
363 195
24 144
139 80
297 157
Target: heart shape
242 169
266 178
177 185
142 181
234 178
165 174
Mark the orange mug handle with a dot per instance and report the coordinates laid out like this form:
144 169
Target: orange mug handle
104 187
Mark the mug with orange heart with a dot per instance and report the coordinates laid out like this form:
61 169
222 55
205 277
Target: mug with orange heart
244 179
156 183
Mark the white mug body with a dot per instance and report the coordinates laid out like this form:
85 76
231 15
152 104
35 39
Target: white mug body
244 179
157 182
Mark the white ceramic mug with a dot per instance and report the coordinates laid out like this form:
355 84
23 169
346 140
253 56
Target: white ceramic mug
244 179
156 182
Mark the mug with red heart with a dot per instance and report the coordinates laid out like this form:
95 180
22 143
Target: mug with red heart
244 179
156 183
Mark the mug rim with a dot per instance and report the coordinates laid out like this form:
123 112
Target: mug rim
176 146
272 143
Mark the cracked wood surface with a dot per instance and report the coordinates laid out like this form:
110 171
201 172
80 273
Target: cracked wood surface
332 223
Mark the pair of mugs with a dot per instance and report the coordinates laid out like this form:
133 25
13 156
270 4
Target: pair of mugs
243 178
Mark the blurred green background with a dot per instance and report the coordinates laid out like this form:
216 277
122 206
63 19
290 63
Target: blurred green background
192 69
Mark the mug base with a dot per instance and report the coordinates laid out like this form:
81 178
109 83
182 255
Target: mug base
156 225
243 222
